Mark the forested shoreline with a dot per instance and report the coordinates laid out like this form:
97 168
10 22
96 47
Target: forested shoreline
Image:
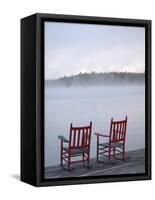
98 79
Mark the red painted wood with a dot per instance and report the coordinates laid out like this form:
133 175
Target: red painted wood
78 142
120 129
74 137
79 138
61 153
83 133
86 137
117 134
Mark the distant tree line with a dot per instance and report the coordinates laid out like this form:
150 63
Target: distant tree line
98 79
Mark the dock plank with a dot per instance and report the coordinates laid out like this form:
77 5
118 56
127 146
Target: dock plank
134 163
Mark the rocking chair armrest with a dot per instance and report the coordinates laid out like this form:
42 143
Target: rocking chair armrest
62 138
102 135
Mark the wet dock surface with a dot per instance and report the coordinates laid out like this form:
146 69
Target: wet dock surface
134 163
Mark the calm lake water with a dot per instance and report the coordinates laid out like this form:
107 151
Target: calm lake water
97 104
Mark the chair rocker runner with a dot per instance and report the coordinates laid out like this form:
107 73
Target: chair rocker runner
77 145
116 143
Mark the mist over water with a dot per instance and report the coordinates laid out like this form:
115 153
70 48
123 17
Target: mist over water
80 105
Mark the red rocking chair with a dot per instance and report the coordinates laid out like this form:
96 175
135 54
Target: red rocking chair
116 143
77 145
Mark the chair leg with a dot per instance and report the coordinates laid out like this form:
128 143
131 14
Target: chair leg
69 168
61 160
69 162
97 150
123 153
97 154
61 152
109 153
113 152
88 157
83 158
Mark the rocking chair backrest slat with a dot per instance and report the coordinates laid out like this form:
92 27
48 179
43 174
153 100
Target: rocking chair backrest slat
78 142
80 136
118 130
83 135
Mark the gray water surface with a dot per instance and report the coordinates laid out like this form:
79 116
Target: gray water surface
80 105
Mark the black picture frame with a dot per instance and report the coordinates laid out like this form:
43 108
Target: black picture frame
32 98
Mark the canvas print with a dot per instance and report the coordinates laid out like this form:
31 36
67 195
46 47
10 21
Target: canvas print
94 100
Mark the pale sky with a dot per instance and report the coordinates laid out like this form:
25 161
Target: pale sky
73 48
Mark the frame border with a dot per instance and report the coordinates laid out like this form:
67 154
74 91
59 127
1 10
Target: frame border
39 147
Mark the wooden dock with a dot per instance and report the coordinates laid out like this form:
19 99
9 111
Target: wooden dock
133 163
